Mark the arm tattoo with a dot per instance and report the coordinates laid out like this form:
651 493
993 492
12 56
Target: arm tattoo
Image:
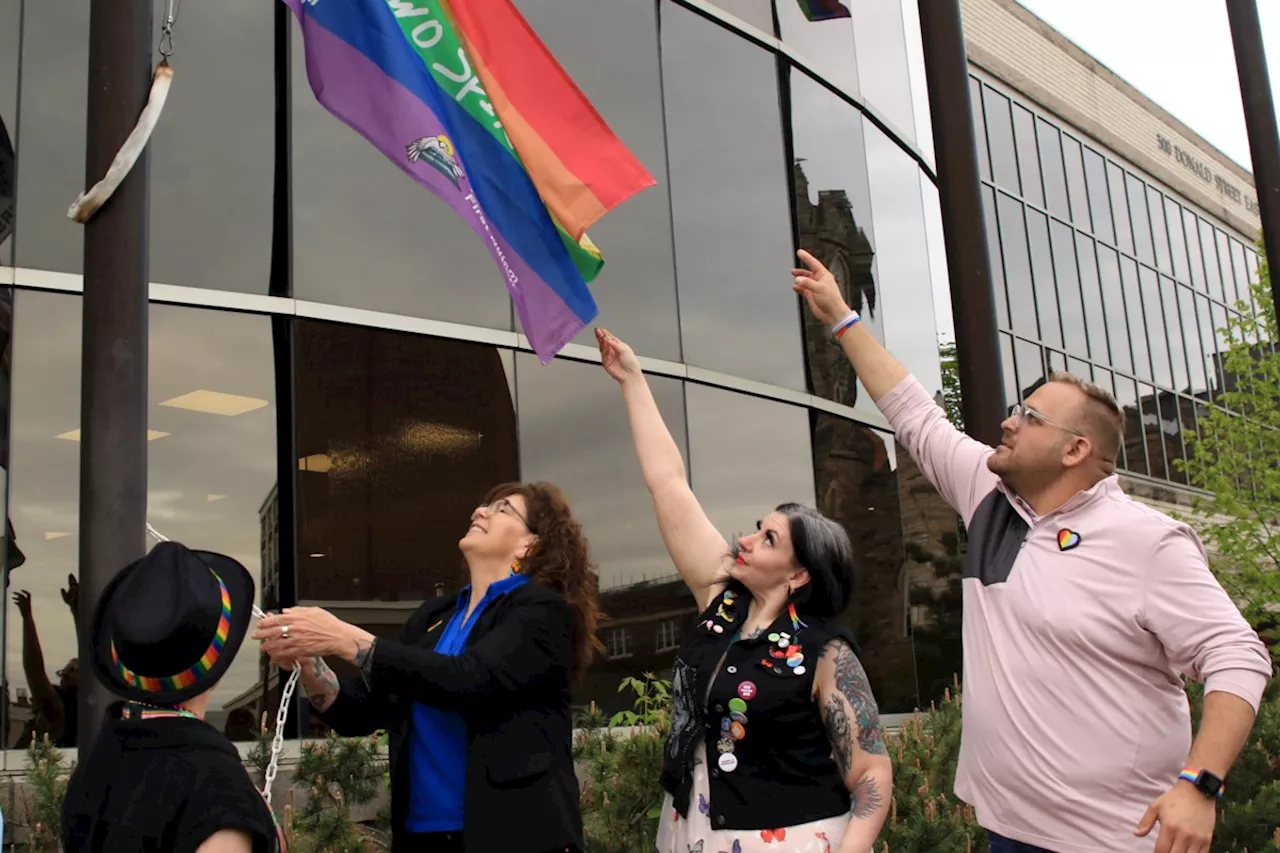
866 798
320 682
851 681
839 733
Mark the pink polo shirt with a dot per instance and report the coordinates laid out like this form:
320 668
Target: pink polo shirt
1077 626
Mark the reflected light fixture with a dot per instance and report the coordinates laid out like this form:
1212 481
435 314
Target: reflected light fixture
50 535
215 403
319 463
74 435
212 498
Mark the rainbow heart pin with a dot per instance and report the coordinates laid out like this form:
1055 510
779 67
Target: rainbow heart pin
1067 539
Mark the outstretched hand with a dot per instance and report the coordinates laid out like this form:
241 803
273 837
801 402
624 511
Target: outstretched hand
818 286
617 358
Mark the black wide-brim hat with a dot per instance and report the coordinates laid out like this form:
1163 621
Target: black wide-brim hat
167 626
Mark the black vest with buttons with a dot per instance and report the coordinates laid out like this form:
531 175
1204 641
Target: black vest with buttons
757 725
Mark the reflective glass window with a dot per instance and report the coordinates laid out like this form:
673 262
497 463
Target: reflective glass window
42 462
1113 308
573 425
1055 361
1099 200
1194 256
1135 317
1230 287
1094 313
1051 168
858 488
618 69
884 77
1030 360
1151 428
1212 268
902 259
758 13
398 438
1135 453
1157 335
1080 368
1141 221
1004 155
1208 343
1221 344
1241 271
1177 243
1171 428
1042 276
833 214
1064 264
1071 158
1159 233
1024 134
1120 207
993 256
732 235
1017 267
980 128
1199 380
726 428
10 38
1009 370
828 45
212 470
50 140
1173 323
1105 380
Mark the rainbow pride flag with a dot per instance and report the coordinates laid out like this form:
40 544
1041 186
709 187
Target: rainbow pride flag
823 10
402 74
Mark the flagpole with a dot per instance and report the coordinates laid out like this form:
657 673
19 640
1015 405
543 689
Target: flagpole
973 304
1260 121
113 390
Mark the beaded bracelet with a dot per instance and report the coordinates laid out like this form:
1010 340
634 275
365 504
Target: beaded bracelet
844 324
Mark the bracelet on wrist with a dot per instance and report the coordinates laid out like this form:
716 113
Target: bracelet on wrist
844 324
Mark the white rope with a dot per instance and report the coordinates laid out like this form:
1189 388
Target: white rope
282 713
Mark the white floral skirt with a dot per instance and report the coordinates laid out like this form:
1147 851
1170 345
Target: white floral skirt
696 835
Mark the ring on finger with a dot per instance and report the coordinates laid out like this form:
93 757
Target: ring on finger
284 631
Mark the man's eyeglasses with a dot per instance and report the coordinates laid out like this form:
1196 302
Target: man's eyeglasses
505 506
1022 413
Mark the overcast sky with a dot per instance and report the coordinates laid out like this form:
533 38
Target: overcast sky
1176 52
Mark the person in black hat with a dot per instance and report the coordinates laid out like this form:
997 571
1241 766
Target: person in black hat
159 777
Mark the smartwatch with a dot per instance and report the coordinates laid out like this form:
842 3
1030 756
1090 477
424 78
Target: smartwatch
1204 781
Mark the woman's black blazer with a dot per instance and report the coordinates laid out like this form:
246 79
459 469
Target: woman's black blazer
512 685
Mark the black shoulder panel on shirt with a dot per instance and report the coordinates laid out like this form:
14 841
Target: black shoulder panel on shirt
996 533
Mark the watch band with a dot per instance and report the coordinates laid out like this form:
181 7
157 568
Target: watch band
1204 781
364 660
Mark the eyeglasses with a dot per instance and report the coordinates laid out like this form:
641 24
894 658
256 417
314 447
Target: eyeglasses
1022 413
505 506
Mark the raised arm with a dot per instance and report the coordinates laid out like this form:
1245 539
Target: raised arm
696 547
953 462
853 725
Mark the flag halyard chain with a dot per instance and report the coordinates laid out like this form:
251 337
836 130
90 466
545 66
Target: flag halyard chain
282 713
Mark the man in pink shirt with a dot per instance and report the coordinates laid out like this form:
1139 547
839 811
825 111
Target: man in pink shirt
1082 610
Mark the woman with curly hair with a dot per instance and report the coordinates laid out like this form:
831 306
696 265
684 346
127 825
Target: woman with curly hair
475 693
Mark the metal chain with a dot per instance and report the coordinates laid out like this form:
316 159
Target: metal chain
166 31
286 698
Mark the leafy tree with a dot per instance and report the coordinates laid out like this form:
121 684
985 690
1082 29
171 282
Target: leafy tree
1235 458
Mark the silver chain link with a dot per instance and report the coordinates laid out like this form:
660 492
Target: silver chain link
282 713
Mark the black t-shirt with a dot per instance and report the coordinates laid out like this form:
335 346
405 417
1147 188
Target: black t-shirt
167 784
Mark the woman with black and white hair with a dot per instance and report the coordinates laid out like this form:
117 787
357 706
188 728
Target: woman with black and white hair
776 743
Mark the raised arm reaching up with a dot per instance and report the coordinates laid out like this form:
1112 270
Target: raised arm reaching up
696 547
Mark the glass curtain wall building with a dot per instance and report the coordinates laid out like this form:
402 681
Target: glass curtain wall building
1120 242
336 375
